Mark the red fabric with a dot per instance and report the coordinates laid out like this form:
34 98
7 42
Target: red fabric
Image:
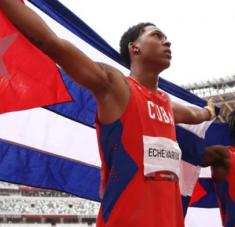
231 173
32 78
144 202
198 193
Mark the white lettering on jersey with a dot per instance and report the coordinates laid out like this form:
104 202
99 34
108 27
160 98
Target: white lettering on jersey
158 112
161 154
150 110
164 114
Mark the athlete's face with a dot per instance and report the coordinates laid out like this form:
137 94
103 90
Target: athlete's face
154 48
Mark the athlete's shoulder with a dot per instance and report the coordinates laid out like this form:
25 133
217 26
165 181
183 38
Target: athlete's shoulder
115 76
111 71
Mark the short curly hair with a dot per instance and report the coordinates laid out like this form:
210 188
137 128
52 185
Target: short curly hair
131 35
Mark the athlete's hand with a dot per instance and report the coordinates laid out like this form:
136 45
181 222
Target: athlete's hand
210 107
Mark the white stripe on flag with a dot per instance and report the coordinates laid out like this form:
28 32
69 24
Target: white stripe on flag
203 217
188 177
198 129
205 172
49 132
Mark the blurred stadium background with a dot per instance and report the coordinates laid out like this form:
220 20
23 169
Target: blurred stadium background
25 206
221 91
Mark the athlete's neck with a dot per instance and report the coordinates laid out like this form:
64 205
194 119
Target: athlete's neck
147 78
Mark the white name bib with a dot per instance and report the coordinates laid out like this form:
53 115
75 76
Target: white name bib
161 154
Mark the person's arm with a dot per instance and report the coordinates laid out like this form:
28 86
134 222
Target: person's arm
193 115
216 155
218 158
82 69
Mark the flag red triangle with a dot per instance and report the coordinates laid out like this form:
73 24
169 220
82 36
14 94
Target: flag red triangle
198 193
28 78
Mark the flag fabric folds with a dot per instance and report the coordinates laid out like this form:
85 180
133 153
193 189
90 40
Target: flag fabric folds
22 77
50 142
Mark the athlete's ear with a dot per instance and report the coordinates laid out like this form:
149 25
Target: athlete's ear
133 48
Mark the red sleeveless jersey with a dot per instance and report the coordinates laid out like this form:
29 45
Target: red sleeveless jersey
225 191
140 163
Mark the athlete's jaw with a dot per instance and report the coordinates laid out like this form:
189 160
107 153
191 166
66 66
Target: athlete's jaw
168 53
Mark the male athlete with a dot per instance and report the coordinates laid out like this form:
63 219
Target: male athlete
222 162
135 121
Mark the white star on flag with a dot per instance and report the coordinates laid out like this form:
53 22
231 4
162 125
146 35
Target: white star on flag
5 43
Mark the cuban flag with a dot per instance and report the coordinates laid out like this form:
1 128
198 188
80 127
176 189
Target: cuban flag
47 134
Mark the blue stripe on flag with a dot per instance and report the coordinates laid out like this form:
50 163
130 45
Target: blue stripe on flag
218 133
209 200
23 165
83 106
191 145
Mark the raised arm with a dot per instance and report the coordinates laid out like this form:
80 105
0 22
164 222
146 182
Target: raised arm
193 115
82 69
